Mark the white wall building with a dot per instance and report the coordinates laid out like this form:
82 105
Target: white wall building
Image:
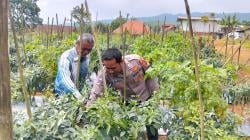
199 26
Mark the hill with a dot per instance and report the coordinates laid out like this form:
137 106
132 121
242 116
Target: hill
171 18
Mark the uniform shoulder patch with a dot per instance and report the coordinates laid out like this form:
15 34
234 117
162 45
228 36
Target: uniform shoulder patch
144 63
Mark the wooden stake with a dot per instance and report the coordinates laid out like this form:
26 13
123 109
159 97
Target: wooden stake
197 72
96 45
20 67
5 93
47 34
242 42
57 24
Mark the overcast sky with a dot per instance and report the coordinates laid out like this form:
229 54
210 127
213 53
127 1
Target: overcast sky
109 9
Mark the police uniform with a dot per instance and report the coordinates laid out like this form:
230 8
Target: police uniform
137 87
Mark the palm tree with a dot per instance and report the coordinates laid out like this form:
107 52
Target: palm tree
212 15
204 19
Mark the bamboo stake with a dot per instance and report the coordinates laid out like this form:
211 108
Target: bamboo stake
123 37
226 45
23 38
108 37
63 27
20 66
96 45
235 52
158 27
47 34
163 32
57 24
80 53
238 59
75 27
6 127
232 49
51 30
71 25
150 32
197 72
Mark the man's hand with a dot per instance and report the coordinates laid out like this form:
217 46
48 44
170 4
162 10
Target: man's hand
118 85
78 95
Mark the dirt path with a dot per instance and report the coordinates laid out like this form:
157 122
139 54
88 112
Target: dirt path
244 52
244 59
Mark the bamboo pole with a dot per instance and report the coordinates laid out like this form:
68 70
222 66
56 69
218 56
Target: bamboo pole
231 57
226 45
238 59
5 93
47 35
63 27
51 30
23 38
108 36
163 31
197 72
96 45
57 24
71 25
80 53
20 66
123 38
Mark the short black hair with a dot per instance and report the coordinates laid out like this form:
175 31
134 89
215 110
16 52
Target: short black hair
112 53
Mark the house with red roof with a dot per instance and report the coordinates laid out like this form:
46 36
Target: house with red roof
133 27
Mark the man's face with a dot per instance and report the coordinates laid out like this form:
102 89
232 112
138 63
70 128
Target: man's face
112 67
85 48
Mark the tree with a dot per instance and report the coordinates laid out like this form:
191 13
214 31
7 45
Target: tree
5 96
25 13
245 22
204 19
77 12
212 15
101 27
118 22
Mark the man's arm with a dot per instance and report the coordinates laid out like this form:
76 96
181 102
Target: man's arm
97 89
152 84
63 78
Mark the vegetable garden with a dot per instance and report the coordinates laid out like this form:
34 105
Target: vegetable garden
175 107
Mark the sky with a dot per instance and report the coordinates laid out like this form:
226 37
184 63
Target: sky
109 9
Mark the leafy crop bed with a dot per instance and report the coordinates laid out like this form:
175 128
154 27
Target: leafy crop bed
173 108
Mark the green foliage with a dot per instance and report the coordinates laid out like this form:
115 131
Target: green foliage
230 22
77 12
117 22
101 27
56 120
186 126
25 13
171 63
174 47
108 118
40 65
239 94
